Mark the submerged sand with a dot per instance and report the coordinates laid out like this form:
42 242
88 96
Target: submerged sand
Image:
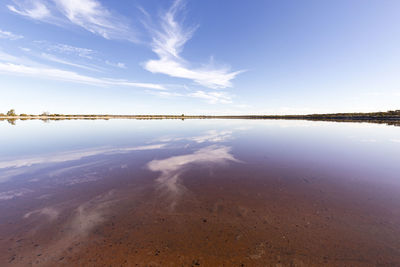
224 216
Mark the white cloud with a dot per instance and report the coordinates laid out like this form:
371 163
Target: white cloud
9 35
368 140
210 97
65 62
81 52
32 9
164 93
7 58
213 97
94 17
117 65
25 49
69 49
88 14
168 42
63 75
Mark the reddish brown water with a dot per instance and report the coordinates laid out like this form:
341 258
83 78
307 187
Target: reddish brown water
229 197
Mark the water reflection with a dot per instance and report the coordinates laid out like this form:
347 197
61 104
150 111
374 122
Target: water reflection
87 172
219 192
208 136
172 168
7 195
73 155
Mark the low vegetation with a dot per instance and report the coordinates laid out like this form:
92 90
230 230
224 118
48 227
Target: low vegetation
391 117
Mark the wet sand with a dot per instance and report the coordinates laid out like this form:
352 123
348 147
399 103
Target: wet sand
236 215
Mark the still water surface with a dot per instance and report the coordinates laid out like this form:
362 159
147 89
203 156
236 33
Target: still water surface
199 192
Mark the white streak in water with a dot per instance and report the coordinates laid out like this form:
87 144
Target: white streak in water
14 193
171 168
49 212
73 155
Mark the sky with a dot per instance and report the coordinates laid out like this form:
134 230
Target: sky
199 57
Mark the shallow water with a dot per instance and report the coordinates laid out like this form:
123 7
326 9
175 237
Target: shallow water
199 192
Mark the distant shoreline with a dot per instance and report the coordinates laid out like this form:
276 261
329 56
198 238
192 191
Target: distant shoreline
389 117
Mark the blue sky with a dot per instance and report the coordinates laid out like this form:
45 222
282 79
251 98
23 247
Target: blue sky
199 57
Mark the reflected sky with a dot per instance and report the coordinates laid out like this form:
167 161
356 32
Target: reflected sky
73 177
33 150
171 168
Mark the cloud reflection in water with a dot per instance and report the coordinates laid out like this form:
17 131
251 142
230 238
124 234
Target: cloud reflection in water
172 168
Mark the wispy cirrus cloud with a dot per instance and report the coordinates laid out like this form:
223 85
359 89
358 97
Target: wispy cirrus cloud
66 62
17 59
168 41
94 17
213 97
9 35
69 76
34 9
25 49
165 93
209 97
116 65
90 15
78 52
68 49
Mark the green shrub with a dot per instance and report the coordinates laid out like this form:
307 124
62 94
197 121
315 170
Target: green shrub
11 112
